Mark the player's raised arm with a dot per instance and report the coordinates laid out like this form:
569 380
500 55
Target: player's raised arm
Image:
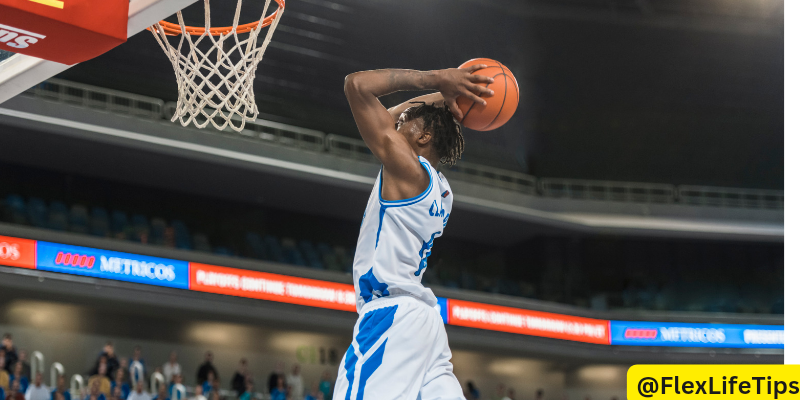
377 125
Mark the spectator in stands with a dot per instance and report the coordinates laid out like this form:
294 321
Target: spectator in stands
472 391
198 393
295 382
116 393
272 383
205 367
238 382
136 364
14 393
119 383
5 380
2 394
511 395
209 383
325 385
176 389
61 388
112 363
139 393
171 367
10 352
26 368
37 391
500 392
279 393
101 378
94 391
162 393
248 389
18 377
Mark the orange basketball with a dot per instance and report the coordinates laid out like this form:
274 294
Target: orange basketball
500 107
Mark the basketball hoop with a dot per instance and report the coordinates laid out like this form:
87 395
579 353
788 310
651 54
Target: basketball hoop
215 85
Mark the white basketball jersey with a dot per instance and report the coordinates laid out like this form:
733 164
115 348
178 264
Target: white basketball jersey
396 239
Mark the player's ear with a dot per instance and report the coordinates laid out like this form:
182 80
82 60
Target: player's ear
424 138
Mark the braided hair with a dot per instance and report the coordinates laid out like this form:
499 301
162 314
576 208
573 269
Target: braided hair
448 140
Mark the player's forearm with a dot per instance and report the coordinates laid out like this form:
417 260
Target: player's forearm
386 81
430 98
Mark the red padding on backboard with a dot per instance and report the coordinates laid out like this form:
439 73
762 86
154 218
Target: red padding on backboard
65 31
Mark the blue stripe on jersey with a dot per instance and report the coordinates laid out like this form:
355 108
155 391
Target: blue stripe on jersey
373 325
370 287
369 367
350 360
406 202
424 252
380 224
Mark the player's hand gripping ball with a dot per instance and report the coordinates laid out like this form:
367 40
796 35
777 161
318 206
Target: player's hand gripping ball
500 107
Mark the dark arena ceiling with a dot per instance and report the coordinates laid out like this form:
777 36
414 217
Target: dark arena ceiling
685 92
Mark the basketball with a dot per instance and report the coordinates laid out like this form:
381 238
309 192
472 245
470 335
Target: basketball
500 107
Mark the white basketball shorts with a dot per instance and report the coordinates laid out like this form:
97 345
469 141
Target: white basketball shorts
399 352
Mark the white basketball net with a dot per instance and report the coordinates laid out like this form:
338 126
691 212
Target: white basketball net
215 84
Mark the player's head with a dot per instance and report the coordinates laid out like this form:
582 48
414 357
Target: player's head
427 125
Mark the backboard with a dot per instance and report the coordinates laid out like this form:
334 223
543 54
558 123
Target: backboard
20 72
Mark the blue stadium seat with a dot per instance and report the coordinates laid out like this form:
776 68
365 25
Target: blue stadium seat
291 254
58 217
158 231
141 229
99 224
183 240
310 254
14 210
255 246
37 212
200 242
222 251
79 219
328 257
273 247
120 228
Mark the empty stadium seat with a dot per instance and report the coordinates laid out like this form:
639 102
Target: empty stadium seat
273 247
200 242
99 224
222 251
79 219
58 217
183 240
141 229
37 212
255 246
120 228
310 254
158 231
14 210
328 257
291 254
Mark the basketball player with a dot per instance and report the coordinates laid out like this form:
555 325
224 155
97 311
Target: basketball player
399 348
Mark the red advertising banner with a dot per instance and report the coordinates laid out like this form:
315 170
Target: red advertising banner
16 252
527 322
273 287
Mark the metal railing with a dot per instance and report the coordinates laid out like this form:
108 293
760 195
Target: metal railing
491 176
730 197
607 190
269 131
349 147
99 98
317 141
